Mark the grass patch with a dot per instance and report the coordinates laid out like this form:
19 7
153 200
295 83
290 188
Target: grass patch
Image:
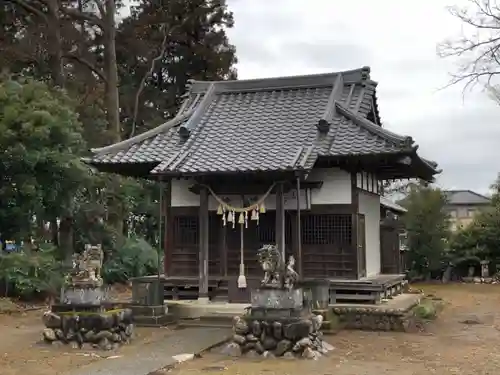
8 307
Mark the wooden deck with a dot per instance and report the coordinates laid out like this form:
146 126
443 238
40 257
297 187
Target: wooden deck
224 288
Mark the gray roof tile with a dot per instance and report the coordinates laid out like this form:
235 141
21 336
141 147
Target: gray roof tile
263 125
465 197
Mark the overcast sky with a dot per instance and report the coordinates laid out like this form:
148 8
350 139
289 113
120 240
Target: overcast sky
397 39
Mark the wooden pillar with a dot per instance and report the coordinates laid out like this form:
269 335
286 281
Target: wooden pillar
357 245
280 220
298 232
168 228
203 244
223 250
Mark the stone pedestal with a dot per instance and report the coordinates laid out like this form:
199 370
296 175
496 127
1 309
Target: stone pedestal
277 324
147 303
83 315
104 330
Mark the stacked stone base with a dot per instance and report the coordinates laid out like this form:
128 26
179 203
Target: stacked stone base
376 320
481 280
102 330
283 337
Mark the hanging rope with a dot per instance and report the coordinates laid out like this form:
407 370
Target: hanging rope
253 206
228 213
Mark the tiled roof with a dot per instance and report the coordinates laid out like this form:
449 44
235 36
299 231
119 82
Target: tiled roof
387 203
465 197
270 124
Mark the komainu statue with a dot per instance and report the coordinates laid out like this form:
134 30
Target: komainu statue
277 274
87 266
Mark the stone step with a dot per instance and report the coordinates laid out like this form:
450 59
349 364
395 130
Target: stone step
154 321
141 310
203 322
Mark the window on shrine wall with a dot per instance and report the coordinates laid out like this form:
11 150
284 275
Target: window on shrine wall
185 230
326 229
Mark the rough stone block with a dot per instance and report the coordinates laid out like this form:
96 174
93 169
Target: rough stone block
277 298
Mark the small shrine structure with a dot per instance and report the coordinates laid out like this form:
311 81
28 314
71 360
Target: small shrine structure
292 161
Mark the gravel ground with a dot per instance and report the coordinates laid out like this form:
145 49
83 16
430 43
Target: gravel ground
20 354
447 347
454 344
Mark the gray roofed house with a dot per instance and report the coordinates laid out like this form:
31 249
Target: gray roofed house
463 205
239 154
272 124
465 197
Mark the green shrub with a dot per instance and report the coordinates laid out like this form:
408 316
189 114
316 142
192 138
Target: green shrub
425 310
28 275
134 259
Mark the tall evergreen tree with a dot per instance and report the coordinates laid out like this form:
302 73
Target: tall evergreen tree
162 45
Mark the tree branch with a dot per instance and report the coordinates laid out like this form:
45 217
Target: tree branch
99 6
82 16
88 64
149 72
29 8
478 51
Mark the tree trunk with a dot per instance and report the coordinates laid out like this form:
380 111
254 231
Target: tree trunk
55 232
111 72
66 238
54 44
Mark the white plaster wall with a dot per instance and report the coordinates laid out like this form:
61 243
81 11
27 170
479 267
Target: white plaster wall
181 196
369 205
290 198
336 188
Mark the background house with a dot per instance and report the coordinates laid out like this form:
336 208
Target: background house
463 205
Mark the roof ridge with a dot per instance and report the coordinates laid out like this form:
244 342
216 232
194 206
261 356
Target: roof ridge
468 191
185 130
325 120
343 72
373 128
198 111
295 81
177 120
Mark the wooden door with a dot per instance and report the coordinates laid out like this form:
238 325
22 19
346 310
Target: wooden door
361 246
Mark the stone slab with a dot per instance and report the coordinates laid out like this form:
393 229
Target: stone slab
277 298
155 355
195 309
84 296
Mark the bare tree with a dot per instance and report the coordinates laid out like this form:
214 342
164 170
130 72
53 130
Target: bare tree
478 48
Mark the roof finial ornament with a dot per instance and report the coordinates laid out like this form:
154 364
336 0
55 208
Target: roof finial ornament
365 72
323 126
184 132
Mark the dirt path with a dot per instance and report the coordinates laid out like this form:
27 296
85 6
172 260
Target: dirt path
447 347
20 354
